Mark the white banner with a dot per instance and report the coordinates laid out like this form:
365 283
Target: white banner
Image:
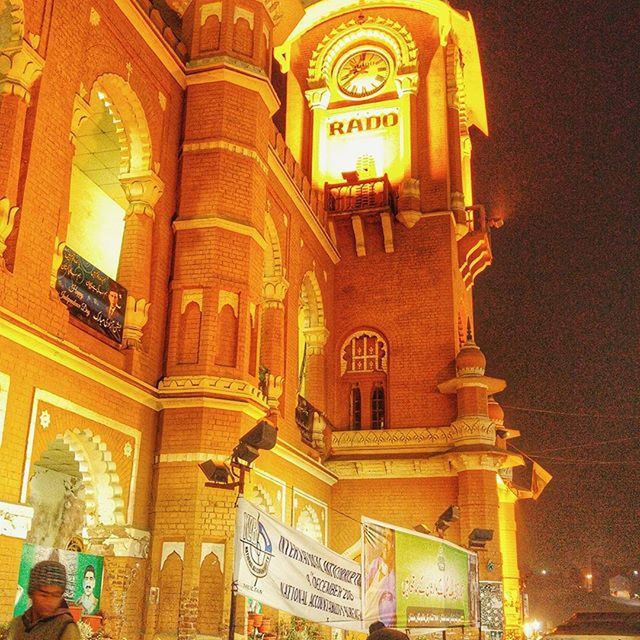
286 569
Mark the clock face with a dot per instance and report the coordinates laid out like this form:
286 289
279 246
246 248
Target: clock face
362 74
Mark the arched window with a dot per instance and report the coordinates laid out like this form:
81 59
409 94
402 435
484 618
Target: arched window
356 408
363 369
377 407
97 202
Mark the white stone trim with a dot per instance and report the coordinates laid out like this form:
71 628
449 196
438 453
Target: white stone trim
230 298
15 520
71 357
4 398
304 463
191 295
322 507
209 145
168 548
280 483
240 12
221 223
210 9
218 550
68 405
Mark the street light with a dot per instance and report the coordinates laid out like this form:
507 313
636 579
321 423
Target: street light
222 476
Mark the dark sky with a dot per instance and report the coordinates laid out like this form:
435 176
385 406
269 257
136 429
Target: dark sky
557 313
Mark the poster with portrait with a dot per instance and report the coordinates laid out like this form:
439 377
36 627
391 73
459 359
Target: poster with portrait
412 580
84 577
91 295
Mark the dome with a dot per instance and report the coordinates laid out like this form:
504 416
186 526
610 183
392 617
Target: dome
496 413
470 361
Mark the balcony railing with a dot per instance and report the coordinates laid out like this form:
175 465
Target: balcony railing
362 196
295 172
311 422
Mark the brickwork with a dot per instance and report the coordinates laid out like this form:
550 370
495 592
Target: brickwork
224 238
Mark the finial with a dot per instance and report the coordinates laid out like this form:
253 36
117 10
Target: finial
469 333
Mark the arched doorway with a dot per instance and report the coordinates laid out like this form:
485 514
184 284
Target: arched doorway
74 487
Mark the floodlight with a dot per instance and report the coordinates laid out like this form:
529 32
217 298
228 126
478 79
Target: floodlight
215 472
262 436
451 514
478 538
422 528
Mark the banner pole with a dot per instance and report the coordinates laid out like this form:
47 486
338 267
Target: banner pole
234 581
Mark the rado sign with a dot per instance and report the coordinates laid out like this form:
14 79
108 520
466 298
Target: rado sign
359 125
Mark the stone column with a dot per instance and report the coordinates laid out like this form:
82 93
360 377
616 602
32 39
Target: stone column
273 327
143 191
316 339
20 67
454 107
211 396
513 614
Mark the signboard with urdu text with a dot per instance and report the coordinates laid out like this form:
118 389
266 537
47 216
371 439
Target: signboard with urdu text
84 577
91 295
412 580
284 568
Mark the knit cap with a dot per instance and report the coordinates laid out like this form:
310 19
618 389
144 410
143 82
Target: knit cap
48 573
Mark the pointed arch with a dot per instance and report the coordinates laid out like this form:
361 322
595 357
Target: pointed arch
311 302
126 107
103 491
383 31
11 23
273 265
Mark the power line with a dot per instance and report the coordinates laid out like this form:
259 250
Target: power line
575 461
574 414
586 445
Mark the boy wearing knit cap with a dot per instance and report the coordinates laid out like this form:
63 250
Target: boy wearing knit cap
48 618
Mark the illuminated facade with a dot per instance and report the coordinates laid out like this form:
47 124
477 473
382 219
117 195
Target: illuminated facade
270 209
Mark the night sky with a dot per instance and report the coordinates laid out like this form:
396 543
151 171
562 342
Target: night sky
557 313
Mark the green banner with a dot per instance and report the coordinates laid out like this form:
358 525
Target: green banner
413 580
84 577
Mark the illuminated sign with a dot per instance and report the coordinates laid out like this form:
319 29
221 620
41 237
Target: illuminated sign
415 580
360 124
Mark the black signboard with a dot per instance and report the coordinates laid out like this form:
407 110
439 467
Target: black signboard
91 295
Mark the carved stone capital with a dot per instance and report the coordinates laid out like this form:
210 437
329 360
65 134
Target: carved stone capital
318 98
135 318
409 203
274 289
477 461
119 541
20 67
8 215
275 387
15 520
471 431
316 338
407 83
143 190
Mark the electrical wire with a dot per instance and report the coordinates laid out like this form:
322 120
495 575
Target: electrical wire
575 414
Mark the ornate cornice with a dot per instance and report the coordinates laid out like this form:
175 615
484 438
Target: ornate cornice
218 387
395 441
389 468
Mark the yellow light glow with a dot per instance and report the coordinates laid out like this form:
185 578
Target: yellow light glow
345 136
